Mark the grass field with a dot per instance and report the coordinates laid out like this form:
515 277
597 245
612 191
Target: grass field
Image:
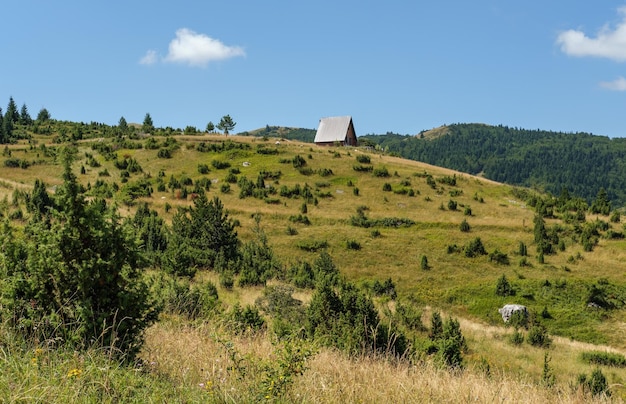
186 356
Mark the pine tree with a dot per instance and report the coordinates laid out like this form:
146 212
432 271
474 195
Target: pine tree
25 118
148 126
77 277
226 124
12 112
43 115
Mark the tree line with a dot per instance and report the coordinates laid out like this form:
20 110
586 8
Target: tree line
548 161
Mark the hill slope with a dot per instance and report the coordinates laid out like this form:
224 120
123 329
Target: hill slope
581 162
383 220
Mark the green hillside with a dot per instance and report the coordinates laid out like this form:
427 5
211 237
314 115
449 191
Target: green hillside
551 161
300 258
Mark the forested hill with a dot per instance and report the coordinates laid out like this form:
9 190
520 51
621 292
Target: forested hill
581 162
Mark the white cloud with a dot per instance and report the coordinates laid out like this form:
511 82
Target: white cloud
196 49
608 43
149 58
617 85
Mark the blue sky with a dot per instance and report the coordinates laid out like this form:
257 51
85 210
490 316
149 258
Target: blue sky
400 66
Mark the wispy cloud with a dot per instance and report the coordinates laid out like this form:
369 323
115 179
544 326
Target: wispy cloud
608 43
193 49
149 58
616 85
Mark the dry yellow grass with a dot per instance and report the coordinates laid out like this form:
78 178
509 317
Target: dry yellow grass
195 356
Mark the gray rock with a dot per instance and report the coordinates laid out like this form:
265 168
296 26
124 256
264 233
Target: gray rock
508 310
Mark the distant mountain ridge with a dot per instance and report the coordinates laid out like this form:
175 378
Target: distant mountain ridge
551 161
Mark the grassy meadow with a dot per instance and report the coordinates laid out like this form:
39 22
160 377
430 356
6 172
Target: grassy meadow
192 361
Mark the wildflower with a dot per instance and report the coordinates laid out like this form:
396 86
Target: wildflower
75 373
208 386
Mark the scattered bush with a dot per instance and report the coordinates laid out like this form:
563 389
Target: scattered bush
464 227
381 172
499 257
220 165
312 245
504 288
517 338
475 248
361 168
604 358
596 385
203 168
538 336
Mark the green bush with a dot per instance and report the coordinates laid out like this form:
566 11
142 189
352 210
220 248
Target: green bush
56 289
604 358
363 159
538 336
220 165
347 319
504 288
362 168
245 320
475 248
203 168
381 172
517 338
312 245
596 384
499 257
464 227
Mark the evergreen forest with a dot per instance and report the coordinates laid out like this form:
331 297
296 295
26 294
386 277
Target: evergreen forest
581 163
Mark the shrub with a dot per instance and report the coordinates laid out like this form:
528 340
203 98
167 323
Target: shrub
387 288
363 159
164 153
604 358
300 218
451 344
347 319
79 299
504 288
381 172
361 168
325 172
353 245
596 385
243 320
203 168
387 187
298 161
424 263
220 165
464 227
452 204
475 248
522 250
499 257
312 245
517 338
538 336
